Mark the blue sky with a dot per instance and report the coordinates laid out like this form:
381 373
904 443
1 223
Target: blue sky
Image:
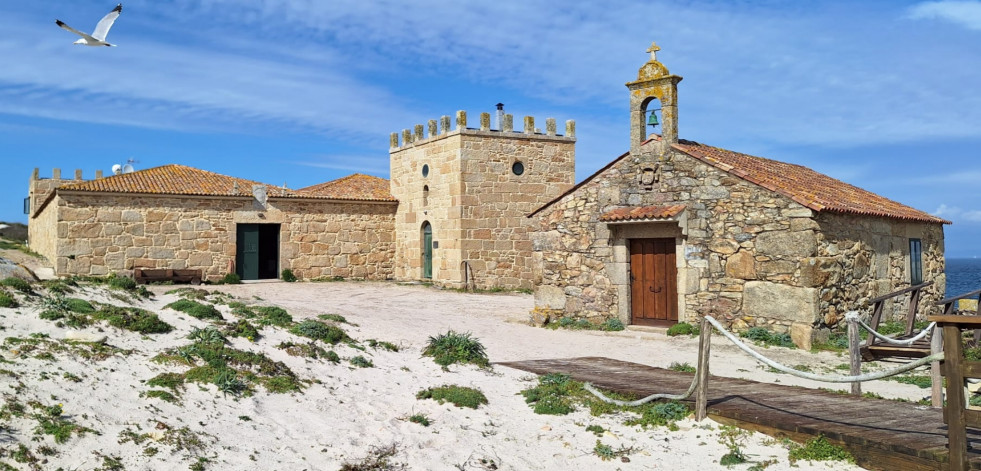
881 94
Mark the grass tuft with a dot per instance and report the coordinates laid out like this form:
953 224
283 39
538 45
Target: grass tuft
320 331
682 328
819 449
452 347
195 309
459 396
764 337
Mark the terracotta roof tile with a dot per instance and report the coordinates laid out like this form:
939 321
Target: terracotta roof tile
637 213
176 180
352 187
807 187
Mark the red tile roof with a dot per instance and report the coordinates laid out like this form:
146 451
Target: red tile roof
642 212
807 187
352 187
176 180
811 189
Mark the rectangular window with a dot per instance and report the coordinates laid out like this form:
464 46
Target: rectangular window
915 262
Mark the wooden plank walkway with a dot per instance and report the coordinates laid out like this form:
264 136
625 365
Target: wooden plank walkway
882 434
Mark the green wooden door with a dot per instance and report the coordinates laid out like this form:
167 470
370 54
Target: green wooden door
427 251
247 251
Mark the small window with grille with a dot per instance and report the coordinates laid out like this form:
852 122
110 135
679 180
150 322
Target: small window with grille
915 262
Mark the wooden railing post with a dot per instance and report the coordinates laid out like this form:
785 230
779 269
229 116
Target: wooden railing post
855 354
704 348
936 379
956 402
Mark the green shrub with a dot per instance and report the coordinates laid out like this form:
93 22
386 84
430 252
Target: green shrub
662 413
121 282
132 319
682 367
382 344
207 335
195 309
333 317
80 306
59 286
452 347
361 362
161 394
612 325
231 279
282 384
273 315
554 394
51 315
319 331
459 396
288 276
420 419
171 381
243 329
7 299
17 284
762 336
819 449
682 328
332 357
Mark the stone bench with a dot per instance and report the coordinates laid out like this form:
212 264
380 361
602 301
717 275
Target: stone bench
150 275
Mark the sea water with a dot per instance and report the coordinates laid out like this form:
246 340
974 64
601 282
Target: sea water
963 275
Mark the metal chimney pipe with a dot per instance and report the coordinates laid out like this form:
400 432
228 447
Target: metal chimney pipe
500 116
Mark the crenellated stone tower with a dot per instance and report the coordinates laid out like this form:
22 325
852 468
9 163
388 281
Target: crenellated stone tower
465 193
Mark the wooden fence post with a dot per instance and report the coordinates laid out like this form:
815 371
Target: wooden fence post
936 380
855 354
701 394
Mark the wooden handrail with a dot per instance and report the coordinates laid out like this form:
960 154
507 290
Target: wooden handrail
963 296
900 292
878 305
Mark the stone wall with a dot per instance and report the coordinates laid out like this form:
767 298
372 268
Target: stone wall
860 258
99 234
42 231
744 253
475 202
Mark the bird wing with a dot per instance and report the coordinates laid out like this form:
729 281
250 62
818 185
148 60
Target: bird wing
69 28
102 29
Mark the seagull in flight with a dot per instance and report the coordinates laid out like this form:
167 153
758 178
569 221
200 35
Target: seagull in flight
98 37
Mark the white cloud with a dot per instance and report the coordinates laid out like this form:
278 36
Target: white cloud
957 214
962 12
946 211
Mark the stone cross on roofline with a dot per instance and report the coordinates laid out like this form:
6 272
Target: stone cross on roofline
653 50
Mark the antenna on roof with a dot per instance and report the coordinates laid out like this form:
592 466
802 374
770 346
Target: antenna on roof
128 168
117 169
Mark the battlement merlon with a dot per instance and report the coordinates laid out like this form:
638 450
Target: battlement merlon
441 128
56 175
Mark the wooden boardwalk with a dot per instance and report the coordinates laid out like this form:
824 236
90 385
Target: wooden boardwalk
882 434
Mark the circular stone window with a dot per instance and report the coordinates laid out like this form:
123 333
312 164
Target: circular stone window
425 170
518 168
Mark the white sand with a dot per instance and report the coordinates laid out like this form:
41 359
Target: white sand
352 411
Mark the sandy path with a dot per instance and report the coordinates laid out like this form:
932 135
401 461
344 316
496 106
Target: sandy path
411 313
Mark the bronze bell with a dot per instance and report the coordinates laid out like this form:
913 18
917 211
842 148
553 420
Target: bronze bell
652 120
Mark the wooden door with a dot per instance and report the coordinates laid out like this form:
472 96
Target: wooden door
653 282
247 251
427 251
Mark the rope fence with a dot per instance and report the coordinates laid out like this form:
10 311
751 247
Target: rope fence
699 382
